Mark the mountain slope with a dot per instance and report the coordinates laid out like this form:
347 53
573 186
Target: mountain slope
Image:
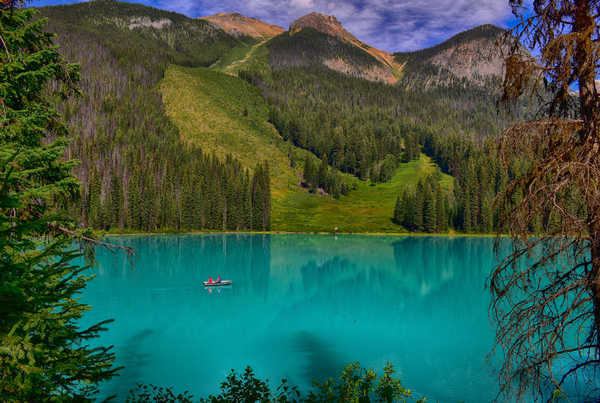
131 131
228 116
329 25
237 25
476 54
136 171
183 40
321 39
360 125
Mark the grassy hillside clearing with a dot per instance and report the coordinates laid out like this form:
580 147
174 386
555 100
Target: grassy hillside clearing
225 115
253 57
367 209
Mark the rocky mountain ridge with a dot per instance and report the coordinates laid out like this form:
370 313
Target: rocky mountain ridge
476 54
238 25
329 25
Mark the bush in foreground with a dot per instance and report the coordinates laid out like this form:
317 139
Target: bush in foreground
355 384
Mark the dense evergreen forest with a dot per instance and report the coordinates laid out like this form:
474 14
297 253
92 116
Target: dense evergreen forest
366 128
138 174
136 171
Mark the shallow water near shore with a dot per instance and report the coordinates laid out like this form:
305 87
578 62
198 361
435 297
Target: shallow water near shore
300 307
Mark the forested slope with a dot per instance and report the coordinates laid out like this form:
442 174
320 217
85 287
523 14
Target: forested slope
136 172
364 128
169 147
226 115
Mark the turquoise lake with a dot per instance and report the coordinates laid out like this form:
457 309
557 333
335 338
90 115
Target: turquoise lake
301 307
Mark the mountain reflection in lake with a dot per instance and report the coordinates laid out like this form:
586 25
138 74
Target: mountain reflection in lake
301 307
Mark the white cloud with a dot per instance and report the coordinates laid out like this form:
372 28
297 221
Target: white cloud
393 25
302 3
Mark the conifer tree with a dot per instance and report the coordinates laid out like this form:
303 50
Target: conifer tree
399 210
323 171
94 197
266 198
441 209
258 199
45 354
429 207
418 206
116 197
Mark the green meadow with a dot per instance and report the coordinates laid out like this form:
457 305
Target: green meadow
227 116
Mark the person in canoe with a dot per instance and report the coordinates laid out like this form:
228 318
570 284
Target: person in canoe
219 279
210 280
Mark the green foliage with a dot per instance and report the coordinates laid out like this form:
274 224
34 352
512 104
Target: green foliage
355 385
425 209
44 354
358 385
151 393
360 208
129 27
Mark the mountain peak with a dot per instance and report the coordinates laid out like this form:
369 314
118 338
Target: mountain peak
231 15
237 24
475 54
326 24
331 26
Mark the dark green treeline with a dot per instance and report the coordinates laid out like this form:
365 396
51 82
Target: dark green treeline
213 195
367 128
424 209
137 172
319 175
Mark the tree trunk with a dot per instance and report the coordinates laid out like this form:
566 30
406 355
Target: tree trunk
595 283
584 26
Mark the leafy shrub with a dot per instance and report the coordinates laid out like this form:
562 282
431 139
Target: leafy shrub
355 385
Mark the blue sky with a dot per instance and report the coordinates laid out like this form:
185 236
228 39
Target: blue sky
392 25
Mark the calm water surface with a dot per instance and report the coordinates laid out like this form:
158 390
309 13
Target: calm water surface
301 307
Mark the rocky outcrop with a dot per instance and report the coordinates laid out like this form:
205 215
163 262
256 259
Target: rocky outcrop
389 71
477 54
238 25
326 24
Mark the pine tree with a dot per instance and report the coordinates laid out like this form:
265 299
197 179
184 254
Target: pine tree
257 199
116 198
45 353
410 211
419 205
323 171
266 197
398 211
133 203
309 173
429 207
94 200
441 209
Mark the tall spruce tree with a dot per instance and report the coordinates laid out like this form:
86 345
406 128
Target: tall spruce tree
44 354
266 197
323 172
429 207
399 210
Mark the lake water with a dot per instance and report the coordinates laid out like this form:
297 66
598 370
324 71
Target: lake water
301 307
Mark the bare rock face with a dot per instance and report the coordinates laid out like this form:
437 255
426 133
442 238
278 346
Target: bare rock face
237 25
477 54
146 22
482 57
326 24
388 72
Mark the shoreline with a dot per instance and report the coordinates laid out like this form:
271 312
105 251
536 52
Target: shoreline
395 234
